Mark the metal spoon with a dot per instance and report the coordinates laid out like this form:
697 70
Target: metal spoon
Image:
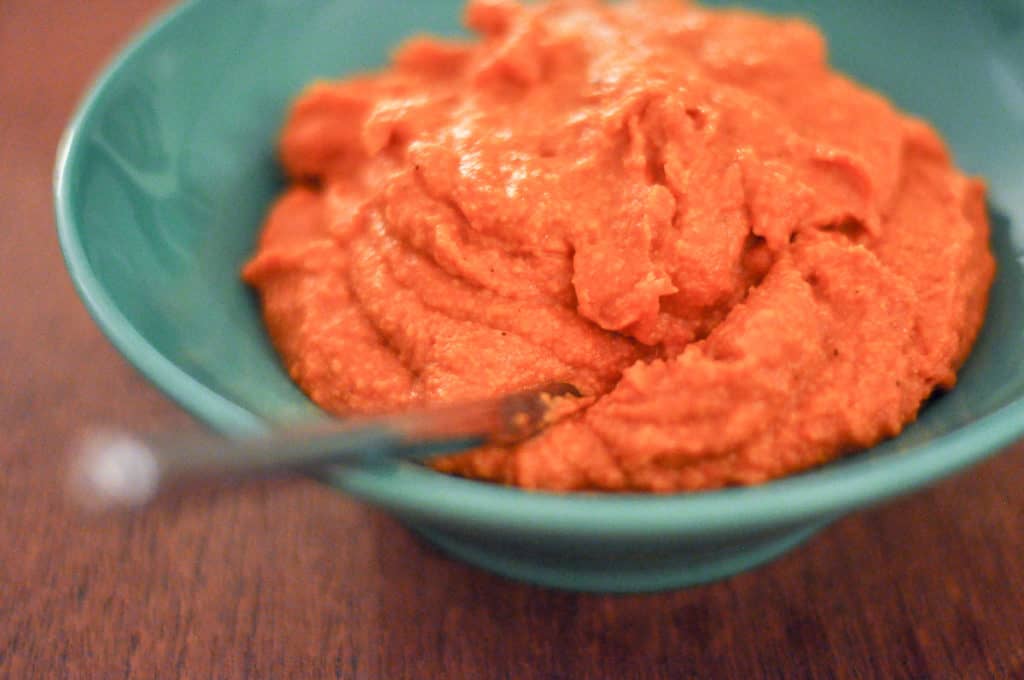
115 468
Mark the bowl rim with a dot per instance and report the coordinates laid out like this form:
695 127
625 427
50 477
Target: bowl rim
419 492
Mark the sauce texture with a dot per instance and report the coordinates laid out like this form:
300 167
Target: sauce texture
749 264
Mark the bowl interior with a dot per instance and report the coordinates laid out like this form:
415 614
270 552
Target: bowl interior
167 170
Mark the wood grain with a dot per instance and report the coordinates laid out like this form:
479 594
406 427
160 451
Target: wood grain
287 579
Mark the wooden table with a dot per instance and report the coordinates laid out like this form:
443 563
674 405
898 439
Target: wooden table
288 580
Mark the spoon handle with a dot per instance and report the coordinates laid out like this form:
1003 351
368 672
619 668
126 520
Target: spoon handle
111 468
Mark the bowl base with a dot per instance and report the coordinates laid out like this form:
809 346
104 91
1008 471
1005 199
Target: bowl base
603 572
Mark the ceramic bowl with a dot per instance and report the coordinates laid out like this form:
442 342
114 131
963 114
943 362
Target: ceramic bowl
166 170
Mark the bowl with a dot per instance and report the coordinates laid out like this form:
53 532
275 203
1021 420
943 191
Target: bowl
167 168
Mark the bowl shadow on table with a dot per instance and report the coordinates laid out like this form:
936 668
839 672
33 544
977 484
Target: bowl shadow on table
460 608
464 617
851 592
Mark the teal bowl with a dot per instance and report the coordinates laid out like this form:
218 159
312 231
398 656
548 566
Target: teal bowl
165 172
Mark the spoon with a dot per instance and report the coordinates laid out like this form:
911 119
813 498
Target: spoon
112 468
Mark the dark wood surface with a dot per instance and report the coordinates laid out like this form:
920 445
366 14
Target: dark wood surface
287 579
